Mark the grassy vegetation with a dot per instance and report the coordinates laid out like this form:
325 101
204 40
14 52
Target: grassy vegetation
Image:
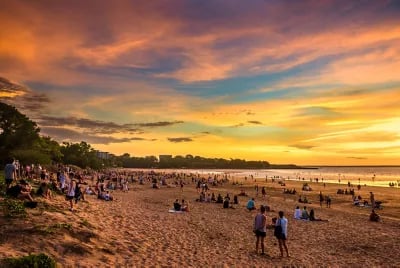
86 223
54 228
2 185
31 261
14 208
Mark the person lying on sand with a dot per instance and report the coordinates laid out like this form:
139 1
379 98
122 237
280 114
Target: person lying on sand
312 216
105 195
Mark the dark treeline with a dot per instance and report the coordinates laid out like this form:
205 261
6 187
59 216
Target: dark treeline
189 161
20 139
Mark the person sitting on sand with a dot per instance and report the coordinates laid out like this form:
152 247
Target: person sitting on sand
184 206
202 197
44 190
226 203
251 205
356 201
21 191
107 196
242 193
374 216
297 213
304 214
177 205
220 200
213 197
312 216
235 200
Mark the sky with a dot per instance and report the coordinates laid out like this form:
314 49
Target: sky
304 82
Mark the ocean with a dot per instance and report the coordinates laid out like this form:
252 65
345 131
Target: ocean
367 175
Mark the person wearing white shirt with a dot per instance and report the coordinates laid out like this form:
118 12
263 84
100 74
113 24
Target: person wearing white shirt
297 213
283 223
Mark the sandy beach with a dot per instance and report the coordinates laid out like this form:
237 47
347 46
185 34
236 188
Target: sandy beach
136 230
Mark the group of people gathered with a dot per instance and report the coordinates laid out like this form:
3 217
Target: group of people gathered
43 183
303 214
280 226
183 206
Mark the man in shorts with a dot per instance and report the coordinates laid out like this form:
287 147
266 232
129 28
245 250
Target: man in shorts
10 172
260 229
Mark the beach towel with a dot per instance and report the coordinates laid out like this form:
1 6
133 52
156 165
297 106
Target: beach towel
175 211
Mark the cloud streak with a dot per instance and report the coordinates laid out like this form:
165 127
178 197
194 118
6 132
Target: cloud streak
68 135
180 139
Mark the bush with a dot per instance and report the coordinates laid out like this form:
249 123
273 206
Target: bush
31 261
2 184
14 208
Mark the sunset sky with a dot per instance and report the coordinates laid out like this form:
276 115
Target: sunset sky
303 82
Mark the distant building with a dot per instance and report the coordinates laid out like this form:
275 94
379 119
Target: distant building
103 155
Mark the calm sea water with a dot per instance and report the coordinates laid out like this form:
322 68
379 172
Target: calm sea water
374 176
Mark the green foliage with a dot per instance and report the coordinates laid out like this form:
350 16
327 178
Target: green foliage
19 138
31 156
14 208
16 131
2 184
49 147
31 261
80 154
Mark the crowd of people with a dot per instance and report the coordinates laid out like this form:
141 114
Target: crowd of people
77 184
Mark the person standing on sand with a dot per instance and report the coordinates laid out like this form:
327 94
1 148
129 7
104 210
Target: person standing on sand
321 199
71 191
260 229
328 201
372 199
282 236
10 172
